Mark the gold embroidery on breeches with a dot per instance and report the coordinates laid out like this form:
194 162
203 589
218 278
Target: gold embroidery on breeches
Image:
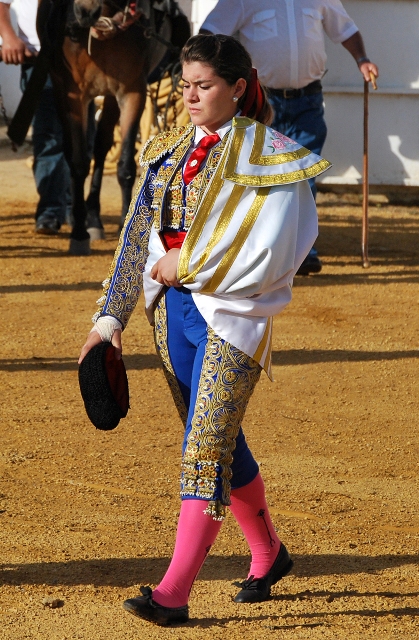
228 378
160 339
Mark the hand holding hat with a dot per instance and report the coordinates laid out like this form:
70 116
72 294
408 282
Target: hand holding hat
103 384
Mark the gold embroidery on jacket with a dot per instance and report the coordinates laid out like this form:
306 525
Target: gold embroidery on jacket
165 142
173 211
164 177
182 202
119 307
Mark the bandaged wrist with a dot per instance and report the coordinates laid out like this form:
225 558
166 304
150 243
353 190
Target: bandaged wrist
106 326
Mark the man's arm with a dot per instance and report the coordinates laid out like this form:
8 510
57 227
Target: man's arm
226 17
13 48
355 46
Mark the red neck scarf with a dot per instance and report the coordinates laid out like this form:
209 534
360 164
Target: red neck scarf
196 158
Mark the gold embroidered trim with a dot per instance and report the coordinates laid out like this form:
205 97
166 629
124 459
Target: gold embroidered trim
200 220
137 227
172 213
265 342
238 242
177 212
278 179
228 378
242 122
216 510
164 143
221 227
160 340
197 187
164 177
234 152
256 158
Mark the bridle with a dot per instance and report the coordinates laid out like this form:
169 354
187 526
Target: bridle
106 28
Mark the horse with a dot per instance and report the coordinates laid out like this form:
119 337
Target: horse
104 48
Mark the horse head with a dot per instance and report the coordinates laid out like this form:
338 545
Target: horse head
87 12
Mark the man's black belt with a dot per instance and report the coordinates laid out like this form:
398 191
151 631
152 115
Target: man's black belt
309 90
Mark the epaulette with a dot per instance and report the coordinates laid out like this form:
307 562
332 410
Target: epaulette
164 143
262 157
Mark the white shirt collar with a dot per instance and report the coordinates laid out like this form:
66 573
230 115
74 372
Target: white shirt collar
200 133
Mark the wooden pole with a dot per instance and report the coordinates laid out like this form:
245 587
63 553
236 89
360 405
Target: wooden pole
365 186
365 189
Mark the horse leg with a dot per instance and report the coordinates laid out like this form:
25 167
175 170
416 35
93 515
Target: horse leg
79 162
131 106
103 142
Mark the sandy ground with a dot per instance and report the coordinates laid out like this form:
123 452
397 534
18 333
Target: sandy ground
87 517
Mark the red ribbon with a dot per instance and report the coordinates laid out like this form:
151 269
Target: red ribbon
254 96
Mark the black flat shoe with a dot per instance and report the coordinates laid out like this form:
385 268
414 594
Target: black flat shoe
311 264
144 607
47 227
259 589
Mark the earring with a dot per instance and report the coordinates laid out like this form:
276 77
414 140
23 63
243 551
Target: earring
235 98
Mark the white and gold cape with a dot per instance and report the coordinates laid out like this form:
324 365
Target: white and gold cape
255 224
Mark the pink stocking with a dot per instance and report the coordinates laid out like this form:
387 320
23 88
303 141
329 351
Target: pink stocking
196 533
248 506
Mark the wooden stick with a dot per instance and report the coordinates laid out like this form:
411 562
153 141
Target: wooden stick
365 190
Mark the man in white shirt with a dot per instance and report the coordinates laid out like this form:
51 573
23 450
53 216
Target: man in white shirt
285 39
51 172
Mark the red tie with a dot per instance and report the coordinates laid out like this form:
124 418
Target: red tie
196 158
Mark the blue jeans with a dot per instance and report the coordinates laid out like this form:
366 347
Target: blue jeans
301 119
50 168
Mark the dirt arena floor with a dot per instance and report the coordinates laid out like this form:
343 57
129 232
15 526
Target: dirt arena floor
87 517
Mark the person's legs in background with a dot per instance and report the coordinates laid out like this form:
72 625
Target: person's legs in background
302 120
50 169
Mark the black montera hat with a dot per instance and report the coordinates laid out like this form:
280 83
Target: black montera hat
104 386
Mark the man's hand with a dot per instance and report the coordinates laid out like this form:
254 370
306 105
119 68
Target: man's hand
14 50
165 269
355 45
367 67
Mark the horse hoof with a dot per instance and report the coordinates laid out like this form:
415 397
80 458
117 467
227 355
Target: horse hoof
95 233
79 247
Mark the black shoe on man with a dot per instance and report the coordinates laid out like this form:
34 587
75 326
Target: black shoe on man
47 226
311 264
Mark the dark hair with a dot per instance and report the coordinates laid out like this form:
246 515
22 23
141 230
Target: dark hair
230 61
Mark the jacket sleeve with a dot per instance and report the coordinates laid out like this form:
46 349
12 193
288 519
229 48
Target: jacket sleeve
122 288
